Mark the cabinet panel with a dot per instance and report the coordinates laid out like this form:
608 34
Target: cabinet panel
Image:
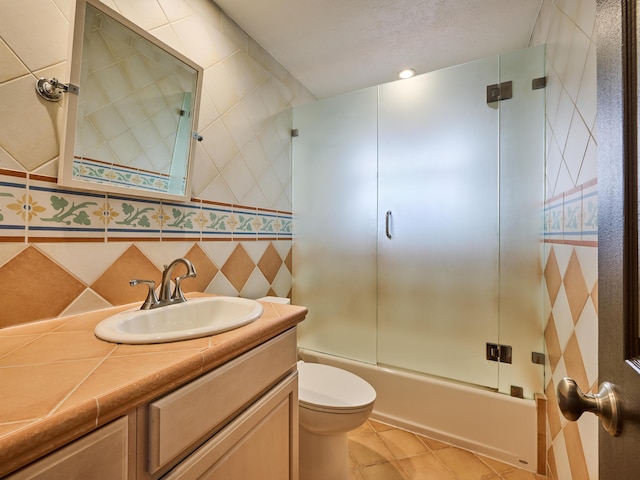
261 444
182 418
100 455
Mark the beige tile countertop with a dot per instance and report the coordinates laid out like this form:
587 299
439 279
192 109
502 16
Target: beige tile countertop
59 381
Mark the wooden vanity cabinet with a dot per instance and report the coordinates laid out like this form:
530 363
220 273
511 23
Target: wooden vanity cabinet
104 454
238 421
260 444
174 426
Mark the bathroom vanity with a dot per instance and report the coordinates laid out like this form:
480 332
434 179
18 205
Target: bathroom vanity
220 407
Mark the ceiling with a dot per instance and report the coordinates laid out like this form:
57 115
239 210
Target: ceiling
337 46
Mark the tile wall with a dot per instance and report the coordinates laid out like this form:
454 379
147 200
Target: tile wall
64 251
571 230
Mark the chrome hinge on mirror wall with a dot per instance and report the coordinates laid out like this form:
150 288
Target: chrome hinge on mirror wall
51 89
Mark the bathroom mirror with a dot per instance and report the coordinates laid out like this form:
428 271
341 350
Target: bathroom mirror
131 128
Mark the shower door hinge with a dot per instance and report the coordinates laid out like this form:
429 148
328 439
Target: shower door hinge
499 353
295 132
538 83
499 91
517 392
537 358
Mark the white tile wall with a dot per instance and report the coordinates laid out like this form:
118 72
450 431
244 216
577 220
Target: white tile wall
567 28
244 118
246 96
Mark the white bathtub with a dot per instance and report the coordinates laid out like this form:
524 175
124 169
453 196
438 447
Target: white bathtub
489 423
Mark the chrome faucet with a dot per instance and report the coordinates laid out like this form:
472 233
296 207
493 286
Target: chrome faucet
166 297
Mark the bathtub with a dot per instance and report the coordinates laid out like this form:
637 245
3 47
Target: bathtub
483 421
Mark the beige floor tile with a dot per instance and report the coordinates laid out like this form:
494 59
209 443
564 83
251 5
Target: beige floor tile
355 475
352 461
364 428
380 427
497 465
464 464
369 449
517 474
425 467
402 444
384 471
433 444
373 447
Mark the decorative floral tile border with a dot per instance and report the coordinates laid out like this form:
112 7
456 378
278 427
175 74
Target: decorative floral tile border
572 217
215 221
59 213
35 208
181 220
244 223
99 172
132 218
16 207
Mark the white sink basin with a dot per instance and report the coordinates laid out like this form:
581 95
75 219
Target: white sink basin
197 317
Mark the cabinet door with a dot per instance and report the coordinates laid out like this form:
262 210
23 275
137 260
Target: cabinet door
100 455
183 419
261 444
438 245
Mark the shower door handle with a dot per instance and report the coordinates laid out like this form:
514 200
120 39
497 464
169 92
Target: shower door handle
388 224
604 404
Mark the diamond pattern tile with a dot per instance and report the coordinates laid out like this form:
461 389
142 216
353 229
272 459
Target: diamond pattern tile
26 297
270 263
289 261
553 413
205 268
113 283
577 461
238 268
575 365
554 350
552 276
566 452
575 287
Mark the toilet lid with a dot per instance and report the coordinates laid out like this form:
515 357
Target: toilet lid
329 387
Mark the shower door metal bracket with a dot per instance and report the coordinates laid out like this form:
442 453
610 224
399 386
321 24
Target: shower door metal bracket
538 83
499 91
499 353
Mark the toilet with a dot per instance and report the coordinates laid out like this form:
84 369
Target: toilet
332 402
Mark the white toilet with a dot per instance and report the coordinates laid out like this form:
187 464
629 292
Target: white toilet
332 402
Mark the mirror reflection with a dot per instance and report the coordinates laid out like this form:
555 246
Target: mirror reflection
135 113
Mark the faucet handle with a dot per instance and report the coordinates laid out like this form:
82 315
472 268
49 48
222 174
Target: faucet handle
152 299
178 296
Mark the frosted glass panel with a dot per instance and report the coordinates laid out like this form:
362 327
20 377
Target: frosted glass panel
521 199
334 242
438 274
463 181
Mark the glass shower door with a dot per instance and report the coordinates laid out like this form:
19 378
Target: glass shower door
335 224
438 227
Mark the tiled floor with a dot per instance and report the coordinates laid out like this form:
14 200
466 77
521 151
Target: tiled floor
381 452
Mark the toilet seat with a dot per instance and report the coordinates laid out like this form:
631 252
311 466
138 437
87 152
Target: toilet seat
324 388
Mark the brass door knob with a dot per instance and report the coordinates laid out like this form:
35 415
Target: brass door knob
573 403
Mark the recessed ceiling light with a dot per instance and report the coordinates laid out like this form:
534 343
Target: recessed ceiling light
407 73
